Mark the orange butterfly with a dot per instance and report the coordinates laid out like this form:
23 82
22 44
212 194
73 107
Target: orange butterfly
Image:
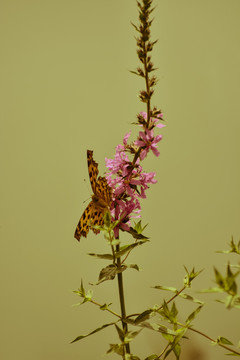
101 201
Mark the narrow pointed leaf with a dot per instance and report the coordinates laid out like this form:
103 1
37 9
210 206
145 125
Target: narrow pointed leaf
120 333
131 335
190 298
224 341
177 351
133 266
102 256
233 354
136 73
92 332
143 316
212 290
137 235
127 248
192 316
168 288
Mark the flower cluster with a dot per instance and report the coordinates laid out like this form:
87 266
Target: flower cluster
126 177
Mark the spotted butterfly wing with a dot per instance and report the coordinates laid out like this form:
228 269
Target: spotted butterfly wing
101 200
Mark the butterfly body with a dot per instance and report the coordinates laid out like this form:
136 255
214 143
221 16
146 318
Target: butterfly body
101 201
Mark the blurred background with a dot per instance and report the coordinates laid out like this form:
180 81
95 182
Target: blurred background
66 87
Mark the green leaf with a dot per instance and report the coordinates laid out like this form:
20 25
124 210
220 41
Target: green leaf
105 306
109 272
175 344
138 227
181 294
116 348
192 316
164 330
145 315
190 276
190 298
227 284
219 279
136 232
81 292
164 311
223 341
133 266
131 357
131 335
174 311
102 256
235 248
107 220
121 333
177 351
233 354
168 337
170 315
152 357
125 249
168 288
147 325
229 301
212 290
89 295
92 332
159 328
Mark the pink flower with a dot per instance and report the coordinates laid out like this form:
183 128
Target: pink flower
120 160
147 141
124 211
128 181
146 178
125 139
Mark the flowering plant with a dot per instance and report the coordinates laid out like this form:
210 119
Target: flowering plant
116 202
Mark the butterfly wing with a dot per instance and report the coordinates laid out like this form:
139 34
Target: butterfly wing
83 224
99 184
103 190
92 170
91 216
94 213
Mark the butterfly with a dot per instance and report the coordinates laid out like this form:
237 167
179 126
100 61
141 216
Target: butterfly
101 201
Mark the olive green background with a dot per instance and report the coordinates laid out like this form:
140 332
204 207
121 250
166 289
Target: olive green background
65 88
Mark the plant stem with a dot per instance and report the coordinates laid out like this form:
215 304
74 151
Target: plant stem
122 300
214 341
147 85
109 310
164 350
173 297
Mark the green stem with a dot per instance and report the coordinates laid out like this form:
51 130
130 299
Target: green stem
214 341
173 297
164 350
122 300
109 310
